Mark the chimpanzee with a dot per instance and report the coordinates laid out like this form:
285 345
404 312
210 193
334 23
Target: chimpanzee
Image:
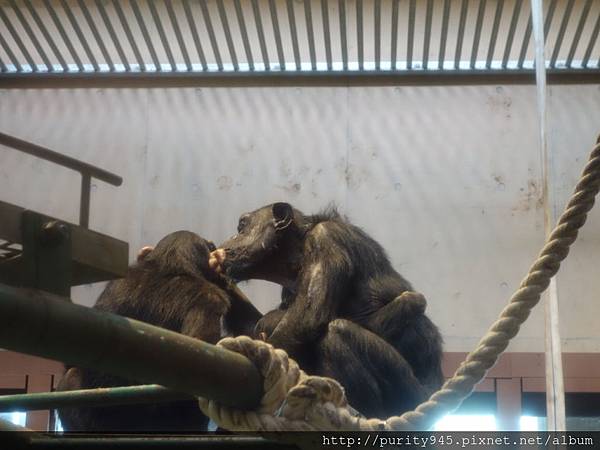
345 312
172 286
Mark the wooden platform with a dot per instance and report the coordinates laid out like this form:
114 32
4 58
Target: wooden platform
93 256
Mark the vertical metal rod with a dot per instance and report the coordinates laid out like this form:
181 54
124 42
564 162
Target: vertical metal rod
311 34
464 7
561 33
444 34
63 34
549 16
277 33
593 37
11 55
326 33
161 34
227 31
293 32
427 37
80 35
129 34
359 34
343 37
411 33
582 19
261 34
511 33
394 56
34 40
525 44
113 35
3 67
84 204
96 34
242 24
18 40
178 35
377 14
145 34
554 377
211 34
193 29
494 36
478 26
47 36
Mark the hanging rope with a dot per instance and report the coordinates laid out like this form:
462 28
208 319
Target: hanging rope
294 401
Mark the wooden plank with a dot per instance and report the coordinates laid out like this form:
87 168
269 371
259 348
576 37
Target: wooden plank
13 381
95 256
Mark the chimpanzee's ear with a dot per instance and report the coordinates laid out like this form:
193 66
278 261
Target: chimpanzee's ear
283 215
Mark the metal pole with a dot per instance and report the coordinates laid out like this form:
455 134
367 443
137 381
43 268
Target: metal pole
41 324
151 393
555 396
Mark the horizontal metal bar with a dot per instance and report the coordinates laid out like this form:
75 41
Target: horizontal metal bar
123 347
127 395
175 442
14 79
60 159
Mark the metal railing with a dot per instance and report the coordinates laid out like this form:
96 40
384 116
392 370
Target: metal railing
254 37
86 170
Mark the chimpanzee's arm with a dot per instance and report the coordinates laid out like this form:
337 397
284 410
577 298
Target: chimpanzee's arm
321 284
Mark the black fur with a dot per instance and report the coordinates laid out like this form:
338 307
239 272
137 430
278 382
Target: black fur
342 312
172 287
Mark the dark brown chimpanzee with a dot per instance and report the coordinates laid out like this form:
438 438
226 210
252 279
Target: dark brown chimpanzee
345 312
172 286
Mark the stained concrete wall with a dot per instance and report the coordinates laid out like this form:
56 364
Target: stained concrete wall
446 178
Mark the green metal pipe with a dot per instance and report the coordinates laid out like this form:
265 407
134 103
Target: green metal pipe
45 325
150 393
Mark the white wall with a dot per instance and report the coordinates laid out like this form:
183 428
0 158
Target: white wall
447 178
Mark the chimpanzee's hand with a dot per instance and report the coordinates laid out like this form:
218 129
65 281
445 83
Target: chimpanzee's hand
215 260
413 303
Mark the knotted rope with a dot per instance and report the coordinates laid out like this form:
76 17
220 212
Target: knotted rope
294 401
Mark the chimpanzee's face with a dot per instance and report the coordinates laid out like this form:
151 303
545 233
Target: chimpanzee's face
252 252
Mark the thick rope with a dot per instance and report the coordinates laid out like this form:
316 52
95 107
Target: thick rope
294 401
